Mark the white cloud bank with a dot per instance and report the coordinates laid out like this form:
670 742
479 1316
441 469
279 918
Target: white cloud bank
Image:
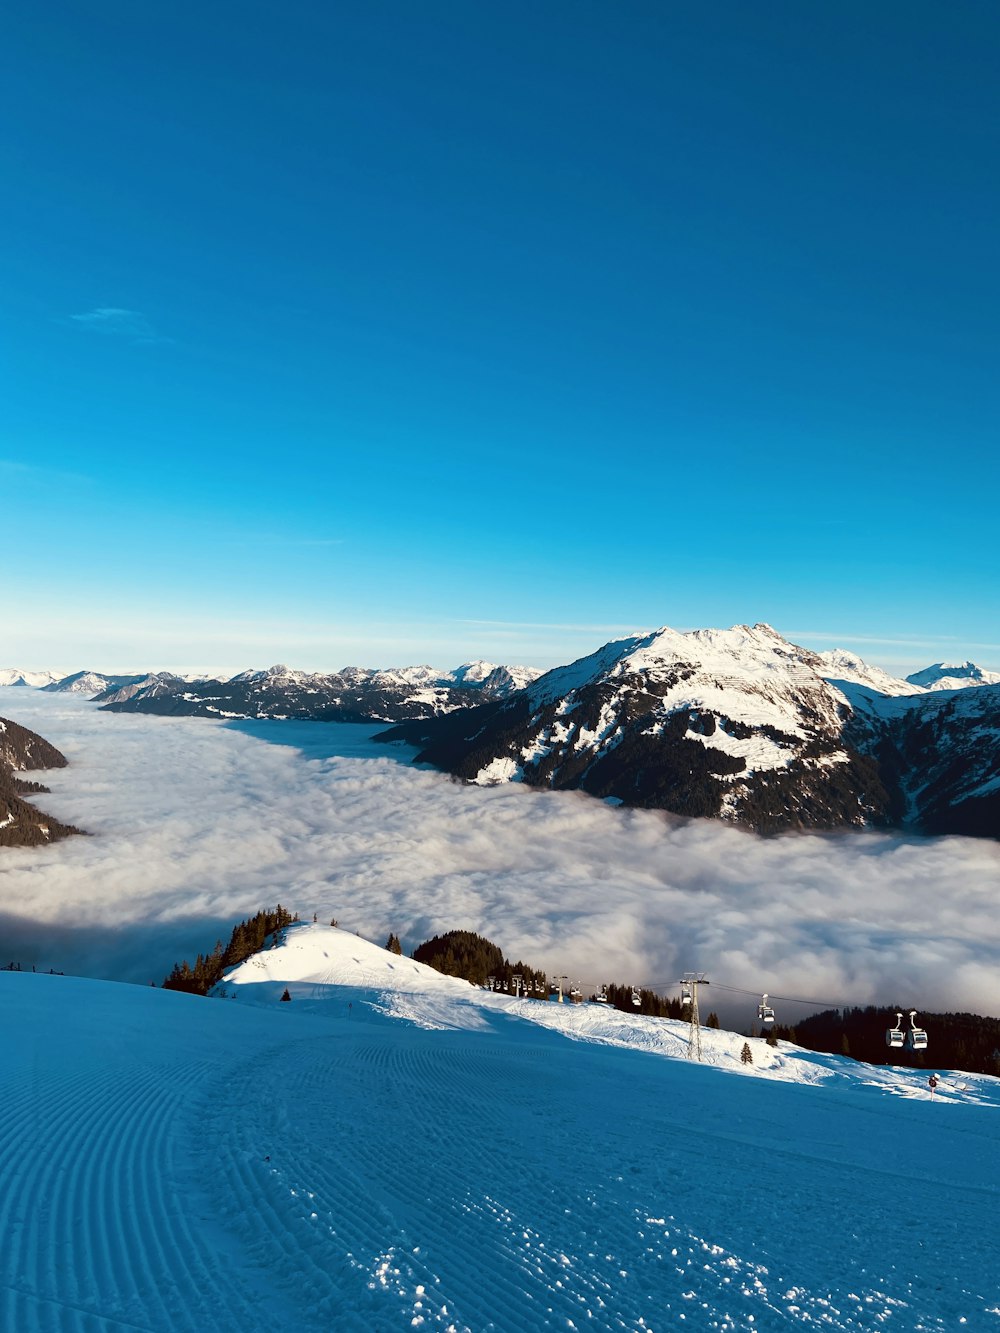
196 824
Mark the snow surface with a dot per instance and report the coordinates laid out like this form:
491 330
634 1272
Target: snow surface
396 1150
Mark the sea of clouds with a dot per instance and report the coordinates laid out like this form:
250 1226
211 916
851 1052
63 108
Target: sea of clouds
195 824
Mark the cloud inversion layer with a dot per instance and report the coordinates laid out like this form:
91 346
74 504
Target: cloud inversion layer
197 824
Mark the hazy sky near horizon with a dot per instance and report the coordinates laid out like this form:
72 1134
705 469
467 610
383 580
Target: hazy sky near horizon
196 825
390 333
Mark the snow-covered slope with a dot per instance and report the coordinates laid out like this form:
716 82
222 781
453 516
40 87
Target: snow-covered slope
373 1156
319 956
841 666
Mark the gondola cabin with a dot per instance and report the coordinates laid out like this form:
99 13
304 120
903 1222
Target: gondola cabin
896 1036
917 1036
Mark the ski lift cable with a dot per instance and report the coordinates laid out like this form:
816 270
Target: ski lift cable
743 990
785 999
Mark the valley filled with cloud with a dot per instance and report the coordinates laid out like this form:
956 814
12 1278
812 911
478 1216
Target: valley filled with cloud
194 824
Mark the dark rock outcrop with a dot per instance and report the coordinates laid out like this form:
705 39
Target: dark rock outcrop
22 824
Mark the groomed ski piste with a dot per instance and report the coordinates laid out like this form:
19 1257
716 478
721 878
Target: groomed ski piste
398 1150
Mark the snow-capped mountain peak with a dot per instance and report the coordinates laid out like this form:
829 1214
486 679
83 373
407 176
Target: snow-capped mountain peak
34 679
734 722
272 675
739 724
840 665
953 676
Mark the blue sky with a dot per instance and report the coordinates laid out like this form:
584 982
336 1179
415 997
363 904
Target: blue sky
391 332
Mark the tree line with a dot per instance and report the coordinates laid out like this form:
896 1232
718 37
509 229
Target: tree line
462 953
248 938
963 1041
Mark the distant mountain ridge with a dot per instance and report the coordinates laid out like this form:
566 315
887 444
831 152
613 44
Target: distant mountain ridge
90 683
354 694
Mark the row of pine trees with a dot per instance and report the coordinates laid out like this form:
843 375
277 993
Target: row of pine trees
248 938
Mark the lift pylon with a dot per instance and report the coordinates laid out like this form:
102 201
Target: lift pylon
689 984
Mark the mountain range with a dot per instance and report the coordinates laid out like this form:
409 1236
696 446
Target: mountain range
353 694
738 724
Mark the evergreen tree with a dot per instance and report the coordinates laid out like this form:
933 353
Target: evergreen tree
461 953
746 1055
247 938
712 1021
286 995
393 944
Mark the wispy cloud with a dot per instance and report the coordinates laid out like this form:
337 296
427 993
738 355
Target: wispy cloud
928 643
233 823
824 636
116 322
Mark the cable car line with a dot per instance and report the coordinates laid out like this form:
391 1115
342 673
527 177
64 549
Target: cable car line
914 1038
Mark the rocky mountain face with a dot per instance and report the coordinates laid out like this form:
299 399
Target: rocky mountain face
938 755
21 824
741 725
354 694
